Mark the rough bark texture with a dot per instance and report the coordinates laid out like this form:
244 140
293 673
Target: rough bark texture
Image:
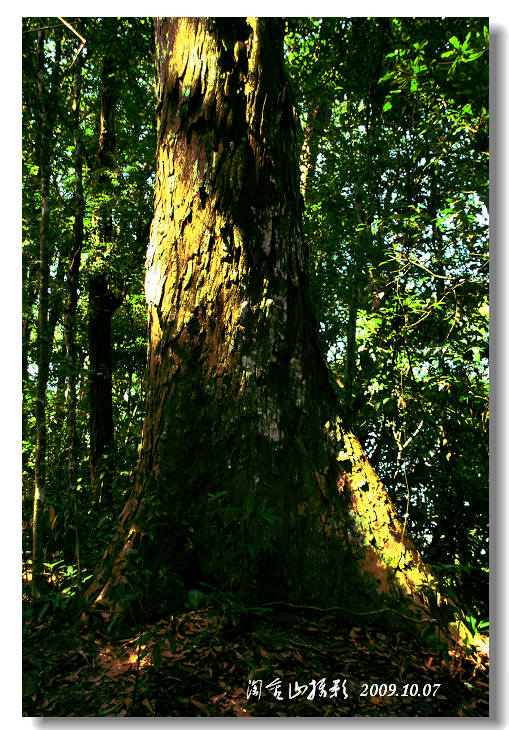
246 477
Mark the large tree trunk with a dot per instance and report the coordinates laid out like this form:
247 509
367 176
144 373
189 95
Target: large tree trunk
246 477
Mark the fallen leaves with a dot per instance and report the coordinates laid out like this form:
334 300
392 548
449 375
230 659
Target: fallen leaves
199 664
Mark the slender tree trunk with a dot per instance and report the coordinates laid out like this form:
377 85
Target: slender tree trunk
55 304
452 501
103 302
102 305
349 378
319 114
246 475
44 342
364 211
29 296
71 306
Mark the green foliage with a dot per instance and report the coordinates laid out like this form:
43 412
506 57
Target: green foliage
477 626
397 224
129 204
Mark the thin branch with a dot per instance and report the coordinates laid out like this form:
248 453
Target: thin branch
456 312
42 27
333 609
433 306
411 438
412 261
312 91
83 40
406 513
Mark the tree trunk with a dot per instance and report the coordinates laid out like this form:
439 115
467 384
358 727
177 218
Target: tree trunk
103 301
319 113
349 379
44 339
29 297
102 305
246 477
71 306
447 447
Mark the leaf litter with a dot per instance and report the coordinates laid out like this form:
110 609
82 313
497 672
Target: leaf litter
202 663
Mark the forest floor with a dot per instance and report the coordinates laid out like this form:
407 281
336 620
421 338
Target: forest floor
278 663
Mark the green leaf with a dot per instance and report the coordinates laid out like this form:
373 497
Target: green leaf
157 655
250 504
217 495
465 43
269 516
454 42
43 610
387 106
173 644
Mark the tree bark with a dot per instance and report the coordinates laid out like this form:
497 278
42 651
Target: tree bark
318 109
103 300
102 305
319 113
29 296
246 476
44 338
71 306
30 288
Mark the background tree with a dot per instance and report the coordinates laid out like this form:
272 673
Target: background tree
104 297
74 142
70 311
47 104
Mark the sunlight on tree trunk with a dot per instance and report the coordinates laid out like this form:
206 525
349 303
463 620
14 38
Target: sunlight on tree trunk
246 477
